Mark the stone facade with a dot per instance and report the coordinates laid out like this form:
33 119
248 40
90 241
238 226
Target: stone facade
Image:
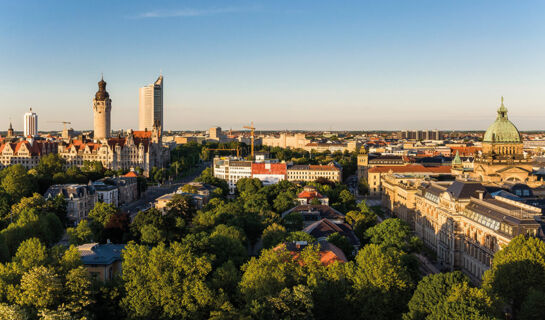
102 107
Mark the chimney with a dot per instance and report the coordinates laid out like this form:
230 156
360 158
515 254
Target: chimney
481 194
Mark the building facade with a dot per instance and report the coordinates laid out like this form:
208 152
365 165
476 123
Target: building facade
150 111
310 173
30 124
502 157
232 170
25 152
141 149
80 199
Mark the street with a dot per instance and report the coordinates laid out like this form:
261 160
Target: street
154 192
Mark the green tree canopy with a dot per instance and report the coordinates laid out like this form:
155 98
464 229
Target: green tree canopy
524 260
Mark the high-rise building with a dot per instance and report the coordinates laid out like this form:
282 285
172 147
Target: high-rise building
150 112
31 124
102 107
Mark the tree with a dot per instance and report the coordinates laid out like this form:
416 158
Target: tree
342 243
78 292
273 235
102 212
431 291
181 206
16 182
50 164
290 304
228 243
532 307
80 234
166 283
524 260
299 236
393 232
249 185
363 186
268 275
293 221
12 312
40 288
284 201
381 283
464 302
31 253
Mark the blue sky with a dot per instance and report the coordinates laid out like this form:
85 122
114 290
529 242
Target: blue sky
282 64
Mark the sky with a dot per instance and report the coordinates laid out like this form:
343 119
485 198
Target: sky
283 64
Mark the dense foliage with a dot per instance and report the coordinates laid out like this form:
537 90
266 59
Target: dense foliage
226 261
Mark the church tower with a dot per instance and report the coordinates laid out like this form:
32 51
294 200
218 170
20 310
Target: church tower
102 106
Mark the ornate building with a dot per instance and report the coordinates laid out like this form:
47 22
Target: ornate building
102 107
502 158
137 149
141 149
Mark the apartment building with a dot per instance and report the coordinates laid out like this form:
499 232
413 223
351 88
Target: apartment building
331 171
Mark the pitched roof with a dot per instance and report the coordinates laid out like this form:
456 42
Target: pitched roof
465 189
329 253
131 174
325 227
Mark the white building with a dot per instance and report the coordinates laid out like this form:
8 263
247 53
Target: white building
107 193
150 111
232 170
30 124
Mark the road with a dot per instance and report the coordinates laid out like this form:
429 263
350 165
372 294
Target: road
154 192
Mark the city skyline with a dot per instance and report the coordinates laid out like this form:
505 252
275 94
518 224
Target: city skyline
283 65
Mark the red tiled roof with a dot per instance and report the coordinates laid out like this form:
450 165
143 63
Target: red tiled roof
309 195
410 168
269 168
142 134
131 174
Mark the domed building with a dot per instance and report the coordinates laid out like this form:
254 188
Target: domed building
502 157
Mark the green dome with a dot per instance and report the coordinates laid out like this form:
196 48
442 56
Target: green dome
502 130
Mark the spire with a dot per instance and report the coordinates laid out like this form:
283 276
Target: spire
502 111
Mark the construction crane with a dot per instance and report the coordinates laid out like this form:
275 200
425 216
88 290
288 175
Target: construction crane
226 149
252 131
64 123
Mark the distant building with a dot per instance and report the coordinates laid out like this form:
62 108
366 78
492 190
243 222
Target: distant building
310 173
103 261
30 124
284 140
141 149
502 157
269 173
150 112
107 193
309 194
11 132
80 199
232 170
375 174
421 135
25 152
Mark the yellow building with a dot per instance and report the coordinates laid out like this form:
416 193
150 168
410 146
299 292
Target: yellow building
103 261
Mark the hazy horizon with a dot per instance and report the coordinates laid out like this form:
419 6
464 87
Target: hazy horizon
362 65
